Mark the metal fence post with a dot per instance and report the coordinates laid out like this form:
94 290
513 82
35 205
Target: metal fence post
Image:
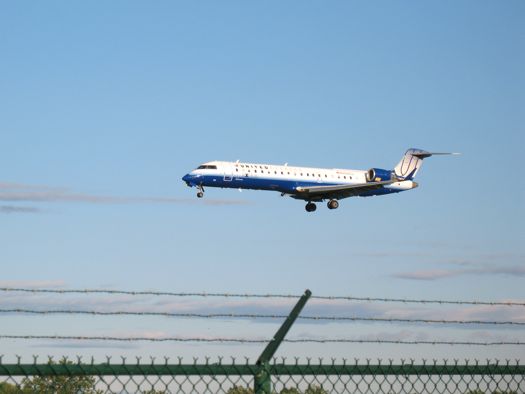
263 380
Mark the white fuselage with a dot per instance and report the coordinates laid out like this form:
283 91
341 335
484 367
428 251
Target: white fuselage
283 178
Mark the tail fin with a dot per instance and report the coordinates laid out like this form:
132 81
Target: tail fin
410 164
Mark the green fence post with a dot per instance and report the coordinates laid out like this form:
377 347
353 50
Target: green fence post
263 380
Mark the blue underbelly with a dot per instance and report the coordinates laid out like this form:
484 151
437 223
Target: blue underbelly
280 185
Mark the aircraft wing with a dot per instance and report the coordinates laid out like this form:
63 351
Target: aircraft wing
317 193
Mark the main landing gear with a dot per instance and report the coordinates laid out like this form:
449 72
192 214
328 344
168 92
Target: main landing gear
310 207
333 204
200 192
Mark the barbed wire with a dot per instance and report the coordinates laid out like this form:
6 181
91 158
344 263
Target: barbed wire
256 316
146 292
417 301
255 341
250 295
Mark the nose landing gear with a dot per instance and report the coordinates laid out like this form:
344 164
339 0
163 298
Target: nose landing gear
200 192
310 207
333 204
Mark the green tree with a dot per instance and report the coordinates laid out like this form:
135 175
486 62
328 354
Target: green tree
240 390
60 384
290 390
8 388
315 390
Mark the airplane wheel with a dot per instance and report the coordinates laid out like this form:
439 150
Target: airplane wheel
200 194
333 204
310 207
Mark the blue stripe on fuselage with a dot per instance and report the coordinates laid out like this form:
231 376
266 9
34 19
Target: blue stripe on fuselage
281 185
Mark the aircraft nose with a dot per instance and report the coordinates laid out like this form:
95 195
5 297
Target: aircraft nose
186 178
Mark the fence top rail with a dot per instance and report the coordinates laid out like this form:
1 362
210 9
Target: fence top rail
276 369
220 360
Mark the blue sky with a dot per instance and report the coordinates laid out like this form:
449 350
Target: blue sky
105 106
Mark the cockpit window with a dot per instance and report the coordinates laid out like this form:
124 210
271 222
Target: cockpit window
206 167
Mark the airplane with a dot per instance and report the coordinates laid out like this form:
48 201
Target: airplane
310 184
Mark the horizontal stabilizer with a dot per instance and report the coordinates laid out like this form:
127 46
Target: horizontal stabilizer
424 155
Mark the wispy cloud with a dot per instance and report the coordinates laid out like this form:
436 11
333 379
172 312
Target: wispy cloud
33 284
86 345
94 344
7 209
16 192
428 274
21 186
492 269
489 312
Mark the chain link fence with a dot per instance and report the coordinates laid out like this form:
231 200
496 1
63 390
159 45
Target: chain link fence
75 377
267 375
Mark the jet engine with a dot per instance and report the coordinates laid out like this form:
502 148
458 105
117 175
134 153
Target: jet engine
378 175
